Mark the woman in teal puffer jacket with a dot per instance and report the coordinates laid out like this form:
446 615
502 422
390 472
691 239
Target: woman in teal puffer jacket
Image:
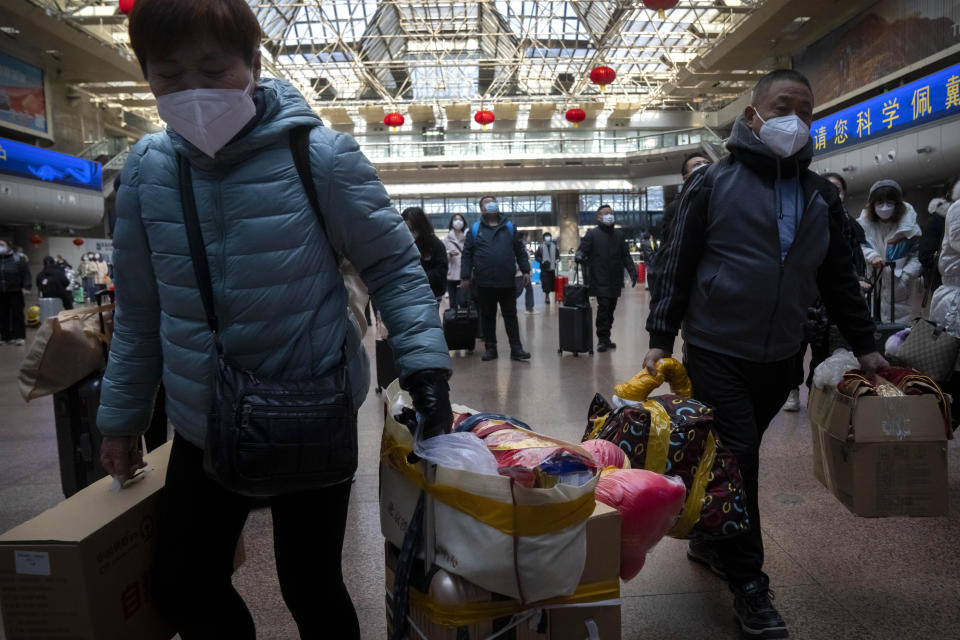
278 294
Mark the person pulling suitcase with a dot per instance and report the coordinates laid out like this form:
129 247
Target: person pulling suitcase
604 250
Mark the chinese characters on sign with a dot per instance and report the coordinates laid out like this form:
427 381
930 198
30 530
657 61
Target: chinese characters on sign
919 102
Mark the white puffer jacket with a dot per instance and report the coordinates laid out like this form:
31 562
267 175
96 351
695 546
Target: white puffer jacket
943 307
896 242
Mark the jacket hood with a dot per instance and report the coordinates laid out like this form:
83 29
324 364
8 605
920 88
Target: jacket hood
746 147
906 228
284 109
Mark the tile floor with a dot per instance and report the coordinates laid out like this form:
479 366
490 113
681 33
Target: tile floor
835 575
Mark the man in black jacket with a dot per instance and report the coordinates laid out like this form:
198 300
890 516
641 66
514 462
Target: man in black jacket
492 252
605 254
14 282
757 238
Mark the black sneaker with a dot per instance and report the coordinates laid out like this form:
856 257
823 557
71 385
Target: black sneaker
601 347
517 353
703 554
489 354
753 607
606 345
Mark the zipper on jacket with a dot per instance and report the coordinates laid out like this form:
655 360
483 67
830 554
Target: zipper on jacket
773 314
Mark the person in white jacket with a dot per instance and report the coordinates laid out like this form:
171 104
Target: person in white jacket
454 244
945 306
892 235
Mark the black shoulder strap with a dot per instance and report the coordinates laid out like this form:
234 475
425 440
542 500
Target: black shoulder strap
300 149
198 251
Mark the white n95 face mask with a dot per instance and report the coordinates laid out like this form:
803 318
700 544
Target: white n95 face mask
208 118
884 211
608 219
458 224
784 135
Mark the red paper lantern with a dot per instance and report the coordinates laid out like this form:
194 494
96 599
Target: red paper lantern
603 76
660 6
483 118
576 116
78 241
126 6
36 239
394 120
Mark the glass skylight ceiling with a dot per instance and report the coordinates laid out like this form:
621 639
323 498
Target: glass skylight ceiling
395 52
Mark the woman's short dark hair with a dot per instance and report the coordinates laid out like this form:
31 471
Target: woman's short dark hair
886 194
157 27
420 223
838 178
454 217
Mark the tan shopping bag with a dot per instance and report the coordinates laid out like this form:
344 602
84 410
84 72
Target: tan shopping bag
68 348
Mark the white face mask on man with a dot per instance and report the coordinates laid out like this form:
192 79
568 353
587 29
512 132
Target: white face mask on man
208 118
784 135
608 219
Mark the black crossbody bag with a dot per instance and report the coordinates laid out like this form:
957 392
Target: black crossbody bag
268 437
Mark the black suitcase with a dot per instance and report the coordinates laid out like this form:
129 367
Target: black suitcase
386 367
576 329
78 439
883 330
460 324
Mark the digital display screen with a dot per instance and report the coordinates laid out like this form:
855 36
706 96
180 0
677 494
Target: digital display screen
25 161
23 101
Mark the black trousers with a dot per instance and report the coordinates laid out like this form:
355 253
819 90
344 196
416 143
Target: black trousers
745 397
453 286
605 310
548 280
198 527
488 299
13 325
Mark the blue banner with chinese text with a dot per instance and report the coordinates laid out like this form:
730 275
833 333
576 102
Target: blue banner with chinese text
26 161
919 102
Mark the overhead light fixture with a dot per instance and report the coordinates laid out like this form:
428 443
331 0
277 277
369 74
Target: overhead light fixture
10 31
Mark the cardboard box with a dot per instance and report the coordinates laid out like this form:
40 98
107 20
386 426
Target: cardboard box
881 456
560 623
81 570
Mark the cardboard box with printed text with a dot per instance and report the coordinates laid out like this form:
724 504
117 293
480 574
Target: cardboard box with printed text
82 569
880 456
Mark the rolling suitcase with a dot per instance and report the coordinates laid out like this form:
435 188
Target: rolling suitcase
78 440
386 367
460 323
75 414
576 330
883 329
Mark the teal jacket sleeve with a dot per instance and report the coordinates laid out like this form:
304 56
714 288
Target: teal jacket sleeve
367 230
135 364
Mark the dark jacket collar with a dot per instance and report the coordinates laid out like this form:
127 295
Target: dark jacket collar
747 148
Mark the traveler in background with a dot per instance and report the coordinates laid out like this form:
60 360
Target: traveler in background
101 277
604 255
52 282
548 255
63 264
491 257
456 236
22 255
690 164
816 330
433 253
757 237
945 304
892 234
14 283
281 299
930 243
87 272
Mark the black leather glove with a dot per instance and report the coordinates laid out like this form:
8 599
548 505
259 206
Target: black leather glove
431 398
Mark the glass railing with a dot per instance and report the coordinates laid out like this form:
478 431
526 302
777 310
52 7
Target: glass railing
555 145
